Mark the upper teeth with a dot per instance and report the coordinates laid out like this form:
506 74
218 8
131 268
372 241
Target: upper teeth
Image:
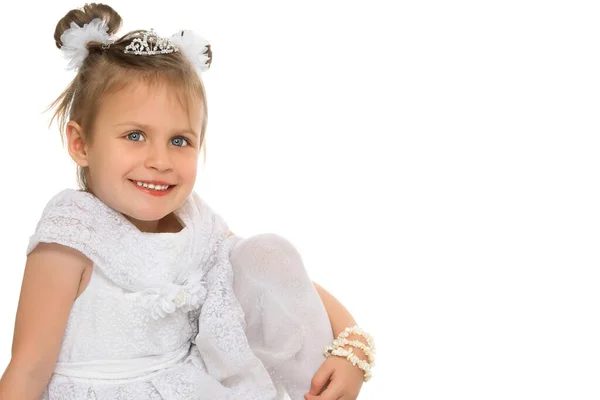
152 186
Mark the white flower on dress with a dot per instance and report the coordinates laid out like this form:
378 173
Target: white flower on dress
172 297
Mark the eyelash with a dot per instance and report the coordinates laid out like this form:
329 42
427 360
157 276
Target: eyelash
188 143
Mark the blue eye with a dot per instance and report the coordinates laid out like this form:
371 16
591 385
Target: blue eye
135 136
180 141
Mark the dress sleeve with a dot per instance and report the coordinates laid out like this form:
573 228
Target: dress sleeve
67 219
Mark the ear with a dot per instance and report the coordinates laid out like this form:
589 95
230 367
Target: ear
76 144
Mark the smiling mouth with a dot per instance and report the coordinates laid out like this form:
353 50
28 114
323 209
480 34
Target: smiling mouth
154 186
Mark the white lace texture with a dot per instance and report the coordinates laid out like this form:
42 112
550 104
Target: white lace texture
187 315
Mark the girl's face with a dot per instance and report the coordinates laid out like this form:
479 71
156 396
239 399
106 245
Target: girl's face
144 136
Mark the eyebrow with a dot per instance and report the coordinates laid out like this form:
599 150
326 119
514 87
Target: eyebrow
149 128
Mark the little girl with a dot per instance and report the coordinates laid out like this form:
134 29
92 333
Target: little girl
134 287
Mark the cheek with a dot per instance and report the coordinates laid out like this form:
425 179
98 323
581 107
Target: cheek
109 161
188 165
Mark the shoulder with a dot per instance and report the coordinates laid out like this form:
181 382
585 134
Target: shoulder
68 199
74 195
72 202
68 193
69 218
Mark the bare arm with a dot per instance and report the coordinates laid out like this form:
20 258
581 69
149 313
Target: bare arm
339 317
50 285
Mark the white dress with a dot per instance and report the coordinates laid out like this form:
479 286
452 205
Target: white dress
187 315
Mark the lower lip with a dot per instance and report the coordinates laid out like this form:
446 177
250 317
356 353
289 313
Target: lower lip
157 193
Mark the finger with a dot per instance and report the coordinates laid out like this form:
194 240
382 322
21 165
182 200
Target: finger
309 396
333 391
320 379
348 395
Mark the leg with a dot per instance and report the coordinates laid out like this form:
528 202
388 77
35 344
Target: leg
287 324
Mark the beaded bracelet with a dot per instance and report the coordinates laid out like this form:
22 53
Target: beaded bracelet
353 358
356 330
336 349
340 342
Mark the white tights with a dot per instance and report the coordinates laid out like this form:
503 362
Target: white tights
286 322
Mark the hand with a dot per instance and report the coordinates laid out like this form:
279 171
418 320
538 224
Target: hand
336 379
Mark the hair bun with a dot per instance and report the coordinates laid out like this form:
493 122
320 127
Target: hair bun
85 15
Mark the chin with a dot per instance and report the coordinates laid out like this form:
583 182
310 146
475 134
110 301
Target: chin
149 216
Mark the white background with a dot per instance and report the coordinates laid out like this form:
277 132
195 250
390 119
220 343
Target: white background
436 164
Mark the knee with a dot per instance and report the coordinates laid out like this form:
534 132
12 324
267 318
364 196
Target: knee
267 256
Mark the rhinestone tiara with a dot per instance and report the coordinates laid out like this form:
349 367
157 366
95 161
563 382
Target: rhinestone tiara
150 44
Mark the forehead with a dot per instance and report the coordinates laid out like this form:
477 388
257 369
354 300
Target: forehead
153 104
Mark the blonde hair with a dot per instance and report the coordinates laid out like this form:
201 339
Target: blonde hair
108 70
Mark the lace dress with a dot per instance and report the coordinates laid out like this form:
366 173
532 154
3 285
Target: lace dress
187 315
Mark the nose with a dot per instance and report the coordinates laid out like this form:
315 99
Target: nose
158 158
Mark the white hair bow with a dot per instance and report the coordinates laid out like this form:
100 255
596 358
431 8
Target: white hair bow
194 47
76 38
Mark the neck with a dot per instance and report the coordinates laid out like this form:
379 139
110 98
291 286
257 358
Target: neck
167 224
